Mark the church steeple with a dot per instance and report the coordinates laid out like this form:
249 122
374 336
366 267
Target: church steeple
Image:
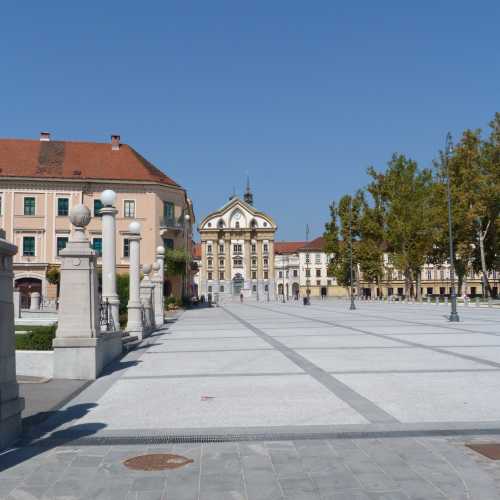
248 196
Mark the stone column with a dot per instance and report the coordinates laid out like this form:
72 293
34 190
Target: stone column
135 325
17 304
146 294
35 301
80 350
158 280
11 405
157 295
108 216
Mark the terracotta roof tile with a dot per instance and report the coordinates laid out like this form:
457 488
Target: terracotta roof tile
76 160
317 244
287 246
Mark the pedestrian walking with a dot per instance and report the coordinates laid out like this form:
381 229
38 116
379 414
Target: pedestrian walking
241 297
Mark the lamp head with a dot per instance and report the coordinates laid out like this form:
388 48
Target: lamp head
108 197
146 269
160 250
134 227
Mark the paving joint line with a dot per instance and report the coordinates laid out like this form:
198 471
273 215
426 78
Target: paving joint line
362 405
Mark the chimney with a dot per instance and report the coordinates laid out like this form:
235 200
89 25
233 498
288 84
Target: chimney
115 142
44 136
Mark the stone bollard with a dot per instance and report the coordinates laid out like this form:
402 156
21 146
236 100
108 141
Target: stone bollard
11 405
477 301
17 304
108 217
81 350
146 294
135 324
35 301
446 300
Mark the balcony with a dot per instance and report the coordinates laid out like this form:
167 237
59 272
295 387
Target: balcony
170 223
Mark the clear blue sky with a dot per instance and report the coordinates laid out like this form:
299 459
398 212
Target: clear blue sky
302 95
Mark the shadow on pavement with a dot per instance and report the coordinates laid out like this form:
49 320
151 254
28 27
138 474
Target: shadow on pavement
42 439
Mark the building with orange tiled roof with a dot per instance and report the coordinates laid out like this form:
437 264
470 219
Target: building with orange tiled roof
41 180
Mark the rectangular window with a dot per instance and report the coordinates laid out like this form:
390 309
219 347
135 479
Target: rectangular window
308 273
254 248
266 275
266 262
209 275
318 273
222 288
266 248
266 288
221 275
221 248
318 258
307 258
168 210
29 246
329 282
210 289
254 275
62 241
254 288
168 243
238 262
97 208
126 247
237 248
209 248
280 274
29 206
429 275
209 262
62 207
318 282
97 246
129 209
295 273
254 262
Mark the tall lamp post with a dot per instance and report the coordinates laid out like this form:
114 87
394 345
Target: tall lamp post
187 218
454 315
352 307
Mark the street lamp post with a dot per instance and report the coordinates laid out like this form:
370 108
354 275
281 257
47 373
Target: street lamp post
352 307
187 218
283 275
454 315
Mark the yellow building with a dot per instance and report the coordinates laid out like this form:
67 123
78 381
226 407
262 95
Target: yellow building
41 180
237 251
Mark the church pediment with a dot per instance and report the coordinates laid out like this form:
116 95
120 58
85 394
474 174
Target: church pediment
236 214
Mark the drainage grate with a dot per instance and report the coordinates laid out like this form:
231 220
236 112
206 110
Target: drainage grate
489 450
157 461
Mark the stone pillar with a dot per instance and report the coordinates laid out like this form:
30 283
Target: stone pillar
158 280
146 294
108 216
157 295
17 304
35 301
135 325
11 405
80 350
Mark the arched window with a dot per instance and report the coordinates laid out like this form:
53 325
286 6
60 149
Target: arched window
220 224
237 225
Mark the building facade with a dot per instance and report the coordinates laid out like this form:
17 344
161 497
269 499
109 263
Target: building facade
237 252
41 180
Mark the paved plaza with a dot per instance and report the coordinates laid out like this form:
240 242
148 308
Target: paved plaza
281 401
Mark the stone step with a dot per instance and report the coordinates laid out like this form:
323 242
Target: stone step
130 342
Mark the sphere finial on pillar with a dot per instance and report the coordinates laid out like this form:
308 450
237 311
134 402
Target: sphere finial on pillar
135 227
108 198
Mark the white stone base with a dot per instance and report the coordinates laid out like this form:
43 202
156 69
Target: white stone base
35 363
85 358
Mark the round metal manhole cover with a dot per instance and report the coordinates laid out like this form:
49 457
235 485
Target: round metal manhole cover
157 461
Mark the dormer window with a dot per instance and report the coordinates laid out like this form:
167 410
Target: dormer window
253 224
220 224
237 225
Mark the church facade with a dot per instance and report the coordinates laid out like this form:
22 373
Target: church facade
237 252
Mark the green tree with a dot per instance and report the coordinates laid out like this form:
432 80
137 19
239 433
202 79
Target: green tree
406 195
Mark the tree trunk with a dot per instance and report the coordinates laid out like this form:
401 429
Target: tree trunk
418 278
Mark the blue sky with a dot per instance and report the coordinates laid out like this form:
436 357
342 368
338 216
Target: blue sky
303 96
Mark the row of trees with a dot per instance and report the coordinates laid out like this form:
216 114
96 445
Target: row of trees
402 213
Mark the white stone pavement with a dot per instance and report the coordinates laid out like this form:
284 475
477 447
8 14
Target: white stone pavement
284 366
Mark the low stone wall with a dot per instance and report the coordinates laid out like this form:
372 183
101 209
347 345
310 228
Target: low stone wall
35 363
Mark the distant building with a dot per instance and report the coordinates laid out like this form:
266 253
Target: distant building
41 180
237 251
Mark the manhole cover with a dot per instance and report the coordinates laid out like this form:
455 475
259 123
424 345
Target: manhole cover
490 450
157 461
